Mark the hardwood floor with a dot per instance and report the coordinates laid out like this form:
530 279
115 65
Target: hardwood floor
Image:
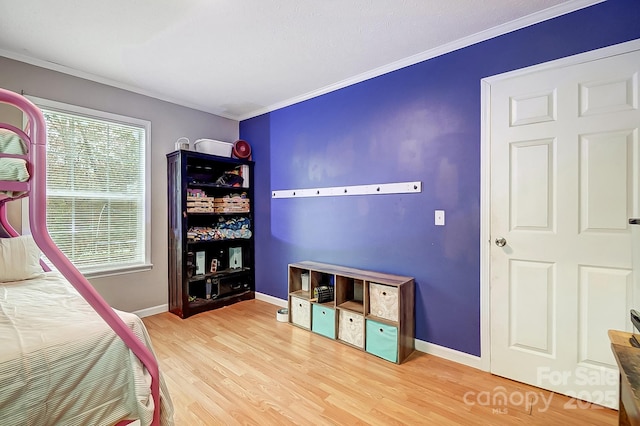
238 365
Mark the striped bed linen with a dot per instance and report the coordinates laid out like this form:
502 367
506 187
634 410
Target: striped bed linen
61 364
12 169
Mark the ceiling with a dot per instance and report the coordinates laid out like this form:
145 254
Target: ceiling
241 58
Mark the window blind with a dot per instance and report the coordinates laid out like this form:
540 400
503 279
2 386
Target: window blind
96 189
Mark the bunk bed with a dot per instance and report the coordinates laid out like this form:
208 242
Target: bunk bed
66 356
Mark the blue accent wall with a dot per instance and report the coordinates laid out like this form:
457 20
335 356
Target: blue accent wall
419 123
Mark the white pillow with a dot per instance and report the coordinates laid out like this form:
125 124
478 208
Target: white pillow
19 259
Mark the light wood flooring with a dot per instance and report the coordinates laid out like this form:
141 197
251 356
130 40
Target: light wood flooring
238 365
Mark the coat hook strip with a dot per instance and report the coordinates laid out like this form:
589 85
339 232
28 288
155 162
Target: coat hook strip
374 189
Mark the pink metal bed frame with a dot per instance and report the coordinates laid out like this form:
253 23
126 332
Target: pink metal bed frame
35 189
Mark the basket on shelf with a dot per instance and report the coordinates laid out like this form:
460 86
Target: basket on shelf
234 204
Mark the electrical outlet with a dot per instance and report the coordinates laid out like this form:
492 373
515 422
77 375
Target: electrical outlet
439 217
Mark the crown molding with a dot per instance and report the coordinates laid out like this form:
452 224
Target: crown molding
525 21
52 66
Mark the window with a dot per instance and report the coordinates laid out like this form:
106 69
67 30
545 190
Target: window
97 188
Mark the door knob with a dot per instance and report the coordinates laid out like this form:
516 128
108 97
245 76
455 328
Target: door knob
501 242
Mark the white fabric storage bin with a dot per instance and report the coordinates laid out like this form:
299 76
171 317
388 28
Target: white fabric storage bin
301 312
214 147
351 328
383 301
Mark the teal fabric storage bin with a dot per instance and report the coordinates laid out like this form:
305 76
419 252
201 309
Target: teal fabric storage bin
382 340
323 321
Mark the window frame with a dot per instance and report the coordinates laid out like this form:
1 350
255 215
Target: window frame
121 268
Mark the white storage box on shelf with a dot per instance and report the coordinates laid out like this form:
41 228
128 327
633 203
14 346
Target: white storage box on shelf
301 312
214 147
384 301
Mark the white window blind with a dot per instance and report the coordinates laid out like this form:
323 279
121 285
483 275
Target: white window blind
97 179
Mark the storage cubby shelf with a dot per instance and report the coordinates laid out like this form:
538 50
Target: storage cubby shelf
352 306
302 294
380 320
370 311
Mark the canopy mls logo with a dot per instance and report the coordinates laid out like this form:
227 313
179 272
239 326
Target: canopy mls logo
499 399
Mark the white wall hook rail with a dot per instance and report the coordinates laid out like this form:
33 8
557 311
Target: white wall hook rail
335 191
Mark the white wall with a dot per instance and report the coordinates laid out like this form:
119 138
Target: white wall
136 291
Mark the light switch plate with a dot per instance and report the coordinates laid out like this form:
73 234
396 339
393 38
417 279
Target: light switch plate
439 217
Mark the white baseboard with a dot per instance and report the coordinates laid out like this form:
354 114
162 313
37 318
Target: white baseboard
449 354
422 346
270 299
147 312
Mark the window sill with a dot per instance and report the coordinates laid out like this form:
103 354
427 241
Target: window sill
101 273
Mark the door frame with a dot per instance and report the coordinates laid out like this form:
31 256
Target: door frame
485 176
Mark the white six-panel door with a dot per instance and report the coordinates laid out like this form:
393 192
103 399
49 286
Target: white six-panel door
564 179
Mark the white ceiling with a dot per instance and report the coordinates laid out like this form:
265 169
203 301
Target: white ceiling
241 58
